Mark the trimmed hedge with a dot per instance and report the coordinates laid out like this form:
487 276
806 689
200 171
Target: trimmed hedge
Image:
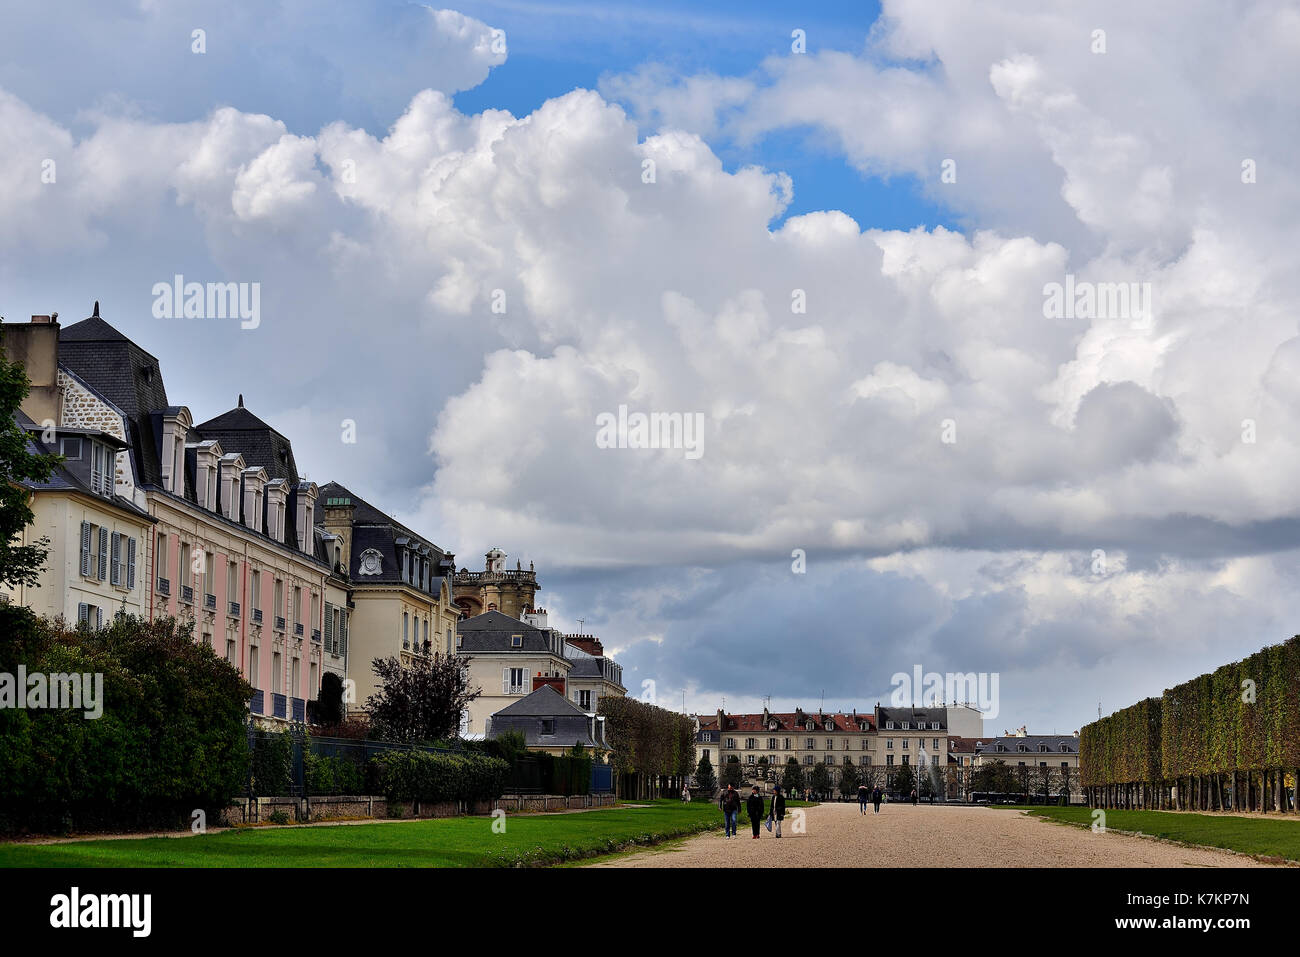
332 775
426 776
1243 716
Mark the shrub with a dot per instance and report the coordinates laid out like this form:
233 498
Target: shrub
272 758
425 776
172 736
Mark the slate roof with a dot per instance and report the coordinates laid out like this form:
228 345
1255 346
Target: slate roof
572 725
62 480
493 631
1056 744
130 379
926 716
375 529
126 376
545 702
240 431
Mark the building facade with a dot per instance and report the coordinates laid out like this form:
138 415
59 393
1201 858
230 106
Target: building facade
497 588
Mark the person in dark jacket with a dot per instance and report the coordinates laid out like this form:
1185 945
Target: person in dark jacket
875 798
778 808
754 808
913 797
730 804
863 794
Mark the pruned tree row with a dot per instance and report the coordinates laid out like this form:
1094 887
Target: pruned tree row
1227 740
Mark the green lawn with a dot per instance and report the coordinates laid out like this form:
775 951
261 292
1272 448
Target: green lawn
529 840
1275 837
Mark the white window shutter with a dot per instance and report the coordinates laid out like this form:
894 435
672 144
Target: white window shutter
130 563
99 618
505 680
103 553
83 613
85 550
115 565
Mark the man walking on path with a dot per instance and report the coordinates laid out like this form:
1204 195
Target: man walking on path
730 804
875 798
778 808
862 799
754 808
913 797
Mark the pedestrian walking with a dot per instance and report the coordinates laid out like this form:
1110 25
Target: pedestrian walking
754 808
875 798
913 797
730 804
862 798
778 808
686 795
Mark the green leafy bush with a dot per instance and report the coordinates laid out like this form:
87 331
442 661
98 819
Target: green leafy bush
426 776
171 739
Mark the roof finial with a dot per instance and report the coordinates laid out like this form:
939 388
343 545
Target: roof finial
95 314
241 400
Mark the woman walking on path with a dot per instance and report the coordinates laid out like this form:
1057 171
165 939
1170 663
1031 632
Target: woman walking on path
730 804
778 808
862 799
875 798
754 808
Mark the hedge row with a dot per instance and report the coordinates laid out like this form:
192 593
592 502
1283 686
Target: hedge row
424 776
1244 716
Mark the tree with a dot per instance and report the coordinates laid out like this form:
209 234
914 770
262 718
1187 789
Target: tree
732 772
705 779
927 786
848 780
819 781
19 462
904 781
792 776
329 703
422 701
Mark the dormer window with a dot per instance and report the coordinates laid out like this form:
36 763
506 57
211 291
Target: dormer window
516 641
101 468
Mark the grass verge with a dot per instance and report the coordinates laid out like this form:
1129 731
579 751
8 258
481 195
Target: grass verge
1258 837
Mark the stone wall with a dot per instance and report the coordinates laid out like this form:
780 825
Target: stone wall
82 409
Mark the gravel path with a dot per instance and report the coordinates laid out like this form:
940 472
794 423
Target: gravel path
836 835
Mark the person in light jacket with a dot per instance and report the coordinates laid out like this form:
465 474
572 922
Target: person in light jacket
778 808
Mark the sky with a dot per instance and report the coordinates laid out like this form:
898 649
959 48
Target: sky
840 238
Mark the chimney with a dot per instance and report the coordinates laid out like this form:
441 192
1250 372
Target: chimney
36 346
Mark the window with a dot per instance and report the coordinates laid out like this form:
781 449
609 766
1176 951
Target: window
252 668
749 743
70 449
731 744
115 559
905 744
905 759
406 628
830 759
426 632
232 581
866 744
809 744
584 700
295 676
160 554
935 743
786 745
87 555
277 674
516 641
830 744
255 587
315 684
548 726
101 469
771 744
183 570
90 615
278 610
514 680
889 760
808 759
230 652
934 760
297 606
889 743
